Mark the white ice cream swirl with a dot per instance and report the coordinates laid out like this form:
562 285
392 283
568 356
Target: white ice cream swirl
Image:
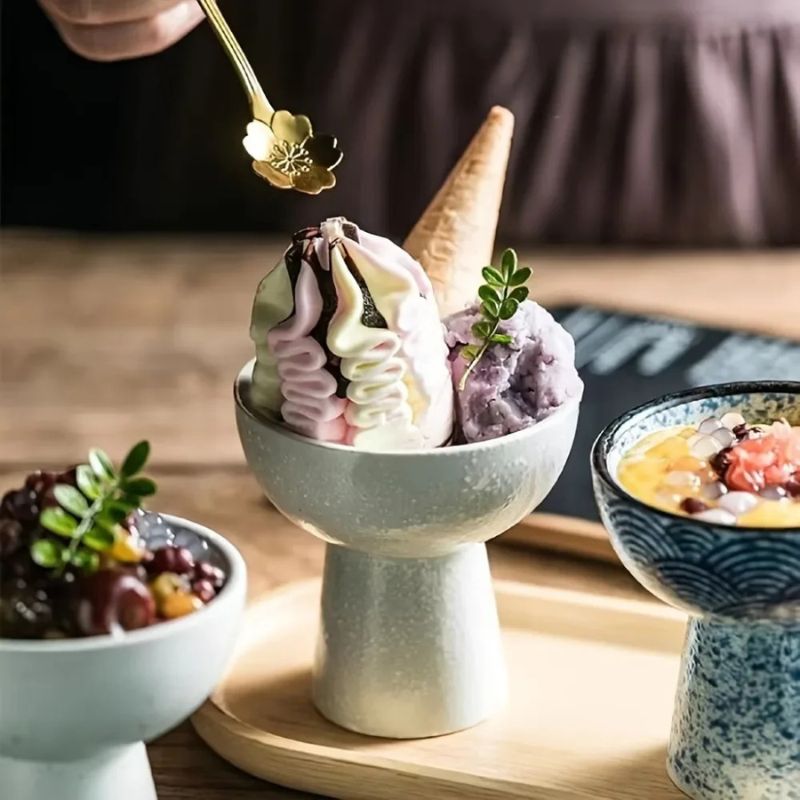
379 407
381 381
310 404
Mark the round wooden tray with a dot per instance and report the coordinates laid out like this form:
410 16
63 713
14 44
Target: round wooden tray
592 683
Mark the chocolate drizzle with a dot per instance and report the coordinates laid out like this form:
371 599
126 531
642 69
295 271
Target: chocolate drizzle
371 317
302 249
329 304
350 231
293 257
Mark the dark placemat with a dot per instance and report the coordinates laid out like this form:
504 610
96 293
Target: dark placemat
627 359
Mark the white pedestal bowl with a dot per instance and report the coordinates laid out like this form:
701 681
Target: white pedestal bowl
75 713
409 642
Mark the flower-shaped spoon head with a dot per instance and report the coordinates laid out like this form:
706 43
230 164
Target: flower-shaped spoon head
289 155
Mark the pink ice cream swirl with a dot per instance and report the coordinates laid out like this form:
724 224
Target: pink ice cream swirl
310 404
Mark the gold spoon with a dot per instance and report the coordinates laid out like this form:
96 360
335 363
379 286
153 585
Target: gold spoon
284 148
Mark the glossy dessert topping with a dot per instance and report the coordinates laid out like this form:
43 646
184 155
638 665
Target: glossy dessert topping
723 471
75 558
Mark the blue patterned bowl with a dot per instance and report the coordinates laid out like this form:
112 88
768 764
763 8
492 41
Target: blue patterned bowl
736 729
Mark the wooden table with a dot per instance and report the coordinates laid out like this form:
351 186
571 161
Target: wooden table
108 340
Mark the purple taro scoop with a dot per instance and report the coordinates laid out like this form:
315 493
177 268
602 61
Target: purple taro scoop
513 386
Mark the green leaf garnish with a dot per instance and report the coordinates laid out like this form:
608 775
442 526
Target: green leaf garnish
482 329
508 309
520 294
101 465
492 276
501 295
490 308
85 559
115 512
90 514
487 292
508 263
99 538
520 277
47 553
501 338
56 520
140 487
69 498
87 481
135 460
470 351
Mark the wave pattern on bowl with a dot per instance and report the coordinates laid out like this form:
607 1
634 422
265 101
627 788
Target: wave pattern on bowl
710 570
720 570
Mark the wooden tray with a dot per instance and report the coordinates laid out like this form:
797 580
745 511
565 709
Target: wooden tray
592 682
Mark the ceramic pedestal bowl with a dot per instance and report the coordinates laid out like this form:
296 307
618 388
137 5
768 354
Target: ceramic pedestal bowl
75 713
409 641
736 725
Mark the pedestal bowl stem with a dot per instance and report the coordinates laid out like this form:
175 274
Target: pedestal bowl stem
417 638
736 726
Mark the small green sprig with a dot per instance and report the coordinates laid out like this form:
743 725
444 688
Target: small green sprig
88 516
500 297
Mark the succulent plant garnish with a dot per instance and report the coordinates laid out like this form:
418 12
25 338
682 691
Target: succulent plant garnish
500 296
89 516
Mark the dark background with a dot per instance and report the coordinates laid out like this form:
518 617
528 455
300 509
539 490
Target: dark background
149 144
653 123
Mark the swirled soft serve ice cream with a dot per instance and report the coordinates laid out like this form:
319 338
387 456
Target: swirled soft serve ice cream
349 345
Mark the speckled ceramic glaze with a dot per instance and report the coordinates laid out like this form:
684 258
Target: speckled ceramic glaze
736 726
409 642
74 713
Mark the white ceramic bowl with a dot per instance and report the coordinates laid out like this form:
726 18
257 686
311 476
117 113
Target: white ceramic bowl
75 713
409 643
408 504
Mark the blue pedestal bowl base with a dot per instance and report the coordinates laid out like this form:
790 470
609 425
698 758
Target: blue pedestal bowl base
736 727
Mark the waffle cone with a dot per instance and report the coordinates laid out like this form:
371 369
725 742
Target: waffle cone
454 237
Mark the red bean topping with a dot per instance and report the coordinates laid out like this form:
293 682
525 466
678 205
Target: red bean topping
721 462
110 598
741 431
205 571
204 590
171 559
691 505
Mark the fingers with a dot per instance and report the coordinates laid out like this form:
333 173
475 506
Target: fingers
102 12
115 41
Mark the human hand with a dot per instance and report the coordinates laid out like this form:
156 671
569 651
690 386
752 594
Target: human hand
112 30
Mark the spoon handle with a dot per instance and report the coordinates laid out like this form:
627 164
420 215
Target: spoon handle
259 104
